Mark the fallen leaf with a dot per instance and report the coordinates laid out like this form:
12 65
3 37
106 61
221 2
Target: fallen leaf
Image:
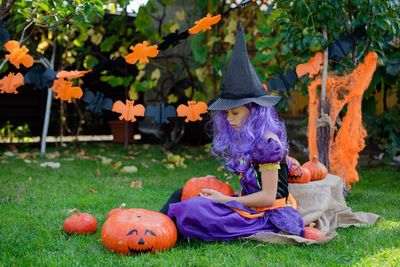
27 161
136 184
9 154
199 158
105 160
25 156
82 155
98 172
169 166
93 190
51 165
144 165
53 155
129 169
117 165
220 168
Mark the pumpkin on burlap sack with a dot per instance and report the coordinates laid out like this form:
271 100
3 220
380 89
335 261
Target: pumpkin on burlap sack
317 169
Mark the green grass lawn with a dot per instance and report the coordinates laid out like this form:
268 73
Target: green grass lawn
34 202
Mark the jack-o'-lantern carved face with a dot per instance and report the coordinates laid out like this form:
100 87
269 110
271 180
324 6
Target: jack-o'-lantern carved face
299 175
141 243
138 231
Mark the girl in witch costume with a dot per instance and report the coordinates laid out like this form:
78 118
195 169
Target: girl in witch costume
251 139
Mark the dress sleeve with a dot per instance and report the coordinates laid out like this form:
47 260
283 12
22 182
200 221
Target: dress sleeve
268 150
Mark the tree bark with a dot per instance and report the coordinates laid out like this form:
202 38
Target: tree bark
323 131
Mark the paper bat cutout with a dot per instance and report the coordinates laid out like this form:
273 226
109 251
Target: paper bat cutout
204 23
10 83
4 35
341 48
65 91
72 74
313 66
18 55
40 76
173 39
160 112
128 111
141 52
96 103
282 82
192 111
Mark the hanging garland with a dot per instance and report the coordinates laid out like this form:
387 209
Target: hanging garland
62 83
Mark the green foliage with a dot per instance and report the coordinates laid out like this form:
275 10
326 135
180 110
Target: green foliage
11 134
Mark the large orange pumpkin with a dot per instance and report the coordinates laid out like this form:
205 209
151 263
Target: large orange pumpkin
193 187
317 169
299 175
138 231
80 223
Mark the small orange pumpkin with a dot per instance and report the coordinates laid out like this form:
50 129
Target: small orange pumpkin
116 211
138 231
193 186
313 233
299 175
80 223
317 169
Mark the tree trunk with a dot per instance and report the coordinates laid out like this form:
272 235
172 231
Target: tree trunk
323 131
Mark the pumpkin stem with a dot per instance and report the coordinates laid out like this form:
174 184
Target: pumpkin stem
74 210
123 205
315 158
312 225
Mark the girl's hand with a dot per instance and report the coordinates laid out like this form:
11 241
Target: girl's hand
214 195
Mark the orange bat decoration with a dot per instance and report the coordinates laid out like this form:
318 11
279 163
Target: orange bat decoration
192 111
10 83
204 23
128 111
18 55
312 67
141 52
72 74
65 91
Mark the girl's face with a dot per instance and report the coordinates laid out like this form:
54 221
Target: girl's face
237 116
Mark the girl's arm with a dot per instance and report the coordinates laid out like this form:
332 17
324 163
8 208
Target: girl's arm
264 198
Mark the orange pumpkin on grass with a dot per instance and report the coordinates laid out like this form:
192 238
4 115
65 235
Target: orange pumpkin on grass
193 187
317 169
138 231
80 223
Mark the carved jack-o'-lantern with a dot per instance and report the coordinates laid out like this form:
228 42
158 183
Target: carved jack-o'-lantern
299 175
192 187
137 231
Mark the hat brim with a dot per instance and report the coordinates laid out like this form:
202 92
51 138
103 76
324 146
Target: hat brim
224 103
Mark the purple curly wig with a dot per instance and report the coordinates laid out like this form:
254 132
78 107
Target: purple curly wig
240 150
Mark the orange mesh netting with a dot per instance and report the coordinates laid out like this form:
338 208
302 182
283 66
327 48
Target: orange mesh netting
345 145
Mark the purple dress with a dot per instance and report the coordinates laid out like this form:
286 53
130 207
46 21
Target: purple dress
200 217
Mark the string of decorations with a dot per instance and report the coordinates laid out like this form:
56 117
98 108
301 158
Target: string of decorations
61 83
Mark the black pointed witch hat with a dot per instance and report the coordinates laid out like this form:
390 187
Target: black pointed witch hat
240 83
